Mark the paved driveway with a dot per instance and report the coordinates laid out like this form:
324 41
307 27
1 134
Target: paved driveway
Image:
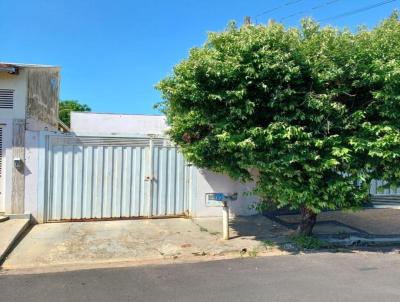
132 240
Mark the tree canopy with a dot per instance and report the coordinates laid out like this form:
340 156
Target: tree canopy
65 108
315 111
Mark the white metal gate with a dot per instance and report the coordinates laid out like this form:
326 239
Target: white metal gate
114 177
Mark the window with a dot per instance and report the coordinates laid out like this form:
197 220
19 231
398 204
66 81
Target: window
6 98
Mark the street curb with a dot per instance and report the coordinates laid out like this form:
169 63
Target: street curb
123 263
3 218
362 241
19 216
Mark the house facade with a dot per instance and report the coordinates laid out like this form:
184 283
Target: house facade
108 166
28 105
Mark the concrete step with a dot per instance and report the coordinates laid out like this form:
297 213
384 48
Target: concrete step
386 198
10 232
382 201
4 218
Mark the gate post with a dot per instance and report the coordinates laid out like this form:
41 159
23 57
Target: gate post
150 178
42 177
225 221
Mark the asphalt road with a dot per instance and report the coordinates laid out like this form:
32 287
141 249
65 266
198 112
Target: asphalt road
313 277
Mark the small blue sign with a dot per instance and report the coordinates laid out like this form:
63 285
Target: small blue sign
219 199
215 199
219 196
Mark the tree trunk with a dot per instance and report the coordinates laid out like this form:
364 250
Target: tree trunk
308 220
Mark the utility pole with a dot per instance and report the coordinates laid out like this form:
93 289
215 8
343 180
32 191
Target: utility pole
247 20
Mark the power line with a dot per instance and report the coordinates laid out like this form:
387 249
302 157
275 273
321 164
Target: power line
311 9
359 10
278 7
348 13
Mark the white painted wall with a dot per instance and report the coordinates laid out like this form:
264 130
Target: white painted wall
19 83
88 123
210 182
36 125
31 172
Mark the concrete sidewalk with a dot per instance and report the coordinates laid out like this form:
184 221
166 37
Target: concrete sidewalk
74 243
374 222
10 232
363 227
105 243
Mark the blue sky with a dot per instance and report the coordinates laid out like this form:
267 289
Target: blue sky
113 52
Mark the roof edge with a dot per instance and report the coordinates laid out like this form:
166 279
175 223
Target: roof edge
114 113
23 65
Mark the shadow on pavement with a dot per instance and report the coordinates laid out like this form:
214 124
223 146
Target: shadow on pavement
367 229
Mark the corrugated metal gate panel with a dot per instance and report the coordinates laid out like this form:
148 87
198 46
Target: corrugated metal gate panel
90 178
169 192
374 190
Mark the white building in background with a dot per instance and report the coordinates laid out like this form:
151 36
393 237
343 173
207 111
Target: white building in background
89 123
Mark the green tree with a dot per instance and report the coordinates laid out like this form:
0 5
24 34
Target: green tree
311 114
65 108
